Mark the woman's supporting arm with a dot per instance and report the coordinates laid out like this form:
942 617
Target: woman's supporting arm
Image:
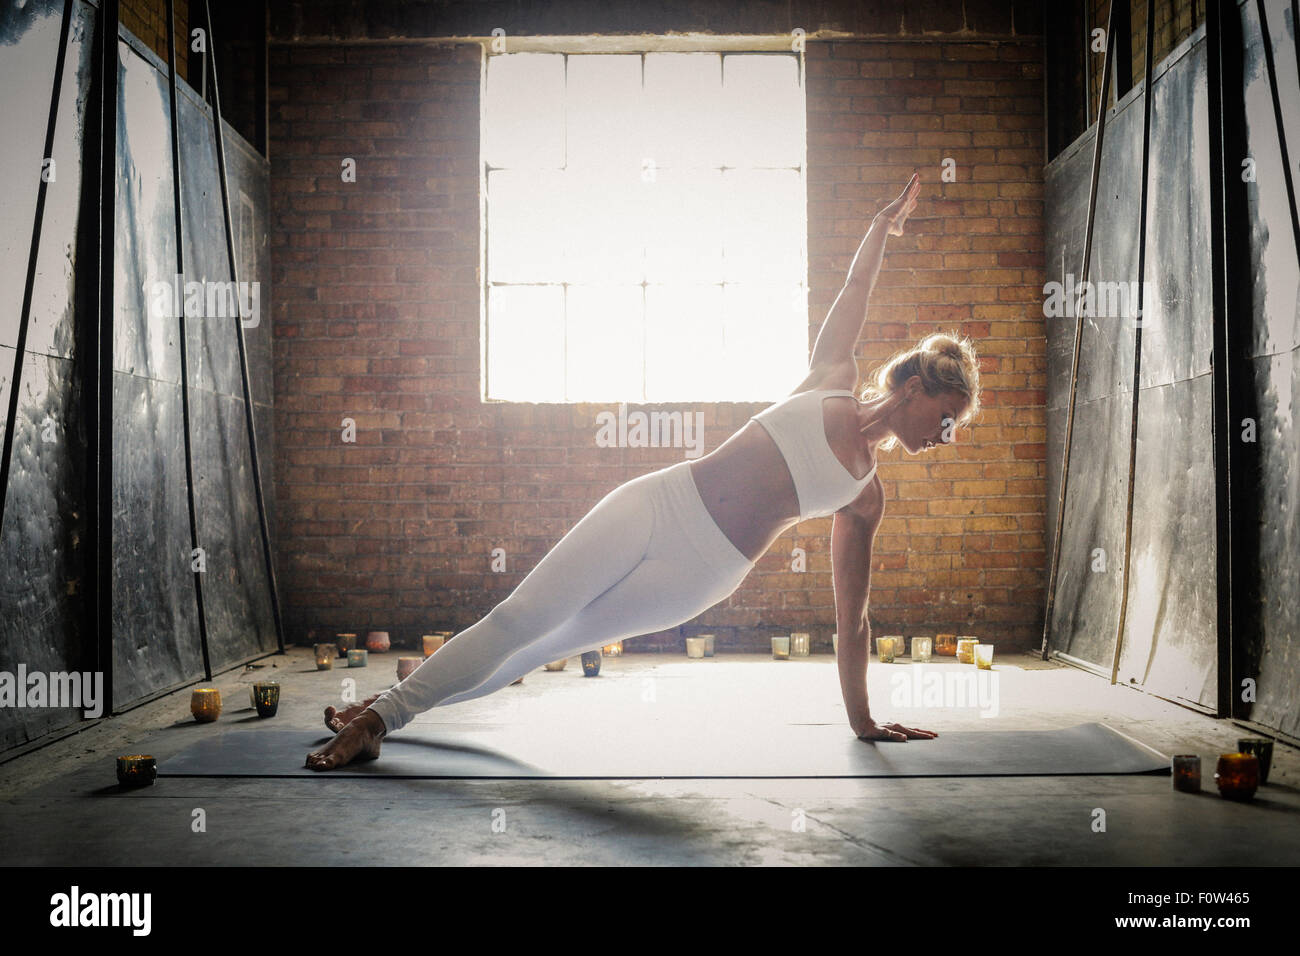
852 535
839 333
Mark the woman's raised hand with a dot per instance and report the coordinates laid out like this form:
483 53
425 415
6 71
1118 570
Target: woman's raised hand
896 212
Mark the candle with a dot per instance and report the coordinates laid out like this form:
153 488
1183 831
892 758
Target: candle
1187 773
378 642
695 647
612 650
136 770
945 645
984 656
780 648
1237 775
346 642
325 656
357 657
431 643
799 644
885 649
557 665
590 663
966 649
205 704
708 644
266 698
921 650
1262 748
835 643
406 666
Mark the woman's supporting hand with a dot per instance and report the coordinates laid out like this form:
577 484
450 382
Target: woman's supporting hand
868 729
896 213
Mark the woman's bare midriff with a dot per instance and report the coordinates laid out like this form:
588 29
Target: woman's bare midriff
746 487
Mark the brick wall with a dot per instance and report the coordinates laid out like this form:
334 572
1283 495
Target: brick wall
1175 22
147 19
377 319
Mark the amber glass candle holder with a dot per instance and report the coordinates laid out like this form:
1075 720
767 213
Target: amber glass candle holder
358 657
205 704
945 645
136 770
377 642
984 656
800 644
1237 775
612 650
406 666
885 649
1187 773
921 647
781 648
266 698
346 642
966 649
590 663
431 643
1262 748
325 654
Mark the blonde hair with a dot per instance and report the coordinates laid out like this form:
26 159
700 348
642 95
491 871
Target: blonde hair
945 361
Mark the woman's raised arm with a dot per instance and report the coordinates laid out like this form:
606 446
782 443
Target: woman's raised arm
839 333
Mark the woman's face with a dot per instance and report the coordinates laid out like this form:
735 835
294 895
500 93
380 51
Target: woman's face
926 421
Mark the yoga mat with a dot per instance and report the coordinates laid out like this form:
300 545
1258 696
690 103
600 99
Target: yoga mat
591 752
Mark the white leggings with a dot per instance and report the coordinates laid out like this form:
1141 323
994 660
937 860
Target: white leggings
648 557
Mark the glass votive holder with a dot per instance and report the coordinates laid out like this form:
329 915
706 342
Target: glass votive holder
966 649
378 642
325 656
136 770
612 650
205 704
885 649
1237 775
430 643
921 647
984 656
1187 773
357 657
557 665
695 647
781 648
406 666
945 645
708 644
590 663
835 643
800 644
266 698
346 642
1262 748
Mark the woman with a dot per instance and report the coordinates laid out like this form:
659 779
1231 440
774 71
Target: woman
662 548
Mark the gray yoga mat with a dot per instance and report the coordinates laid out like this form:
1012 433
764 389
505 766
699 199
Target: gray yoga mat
795 751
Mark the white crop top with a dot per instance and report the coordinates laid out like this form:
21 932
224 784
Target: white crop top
822 482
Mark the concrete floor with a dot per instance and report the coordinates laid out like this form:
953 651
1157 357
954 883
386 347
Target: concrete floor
61 804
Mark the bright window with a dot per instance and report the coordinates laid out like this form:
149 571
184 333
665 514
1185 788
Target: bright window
646 227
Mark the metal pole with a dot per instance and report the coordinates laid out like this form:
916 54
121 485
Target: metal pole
1078 339
185 377
1137 343
99 349
239 333
24 317
1219 363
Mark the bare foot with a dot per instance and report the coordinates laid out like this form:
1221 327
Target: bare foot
336 720
359 740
